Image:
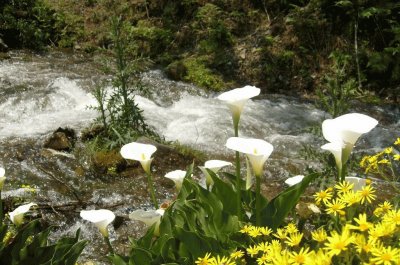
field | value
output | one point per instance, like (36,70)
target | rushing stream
(39,93)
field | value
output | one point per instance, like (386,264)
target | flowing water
(39,93)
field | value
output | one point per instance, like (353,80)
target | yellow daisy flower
(280,234)
(392,216)
(264,247)
(266,231)
(362,245)
(252,250)
(206,260)
(396,157)
(294,239)
(264,259)
(301,257)
(323,196)
(344,186)
(385,255)
(338,242)
(237,254)
(350,198)
(319,235)
(397,142)
(335,207)
(362,223)
(222,261)
(291,228)
(254,232)
(383,208)
(246,229)
(367,194)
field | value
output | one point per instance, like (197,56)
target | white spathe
(2,178)
(17,216)
(257,151)
(149,217)
(101,219)
(346,130)
(176,176)
(139,152)
(237,98)
(294,180)
(214,166)
(336,150)
(358,183)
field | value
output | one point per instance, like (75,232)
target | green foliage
(338,89)
(120,115)
(30,245)
(201,75)
(34,24)
(201,221)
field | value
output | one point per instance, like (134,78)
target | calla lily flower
(139,152)
(2,178)
(148,217)
(101,219)
(294,180)
(17,216)
(177,176)
(358,183)
(257,151)
(214,166)
(346,130)
(237,98)
(336,150)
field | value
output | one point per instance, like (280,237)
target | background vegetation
(278,45)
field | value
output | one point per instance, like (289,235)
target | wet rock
(176,70)
(108,162)
(63,139)
(3,46)
(91,132)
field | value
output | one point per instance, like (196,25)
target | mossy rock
(199,74)
(176,70)
(108,162)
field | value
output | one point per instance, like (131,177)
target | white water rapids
(39,93)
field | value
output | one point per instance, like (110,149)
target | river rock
(63,139)
(3,46)
(176,70)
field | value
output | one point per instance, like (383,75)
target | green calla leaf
(279,207)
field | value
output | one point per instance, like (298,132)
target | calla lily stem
(151,189)
(238,188)
(1,210)
(107,239)
(258,200)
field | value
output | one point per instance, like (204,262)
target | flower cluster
(346,237)
(385,163)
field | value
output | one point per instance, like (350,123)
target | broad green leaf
(279,207)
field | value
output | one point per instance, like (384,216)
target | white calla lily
(101,219)
(17,216)
(257,151)
(214,166)
(237,98)
(336,150)
(139,152)
(346,129)
(148,217)
(2,178)
(177,176)
(358,183)
(294,180)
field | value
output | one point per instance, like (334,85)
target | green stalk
(107,239)
(151,189)
(258,200)
(238,188)
(1,210)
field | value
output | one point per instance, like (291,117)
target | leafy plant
(30,245)
(338,89)
(201,221)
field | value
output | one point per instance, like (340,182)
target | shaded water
(38,94)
